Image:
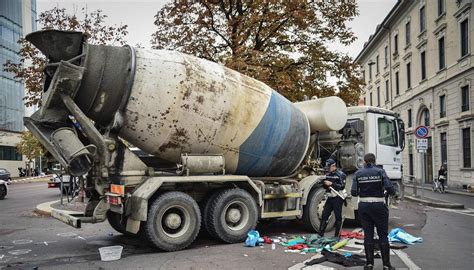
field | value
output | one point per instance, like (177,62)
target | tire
(115,221)
(312,211)
(183,216)
(231,214)
(3,192)
(205,212)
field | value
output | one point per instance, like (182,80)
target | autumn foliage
(285,44)
(32,62)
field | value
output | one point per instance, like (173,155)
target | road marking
(406,260)
(466,212)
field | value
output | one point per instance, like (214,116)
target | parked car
(5,175)
(3,189)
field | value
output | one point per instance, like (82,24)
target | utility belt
(372,199)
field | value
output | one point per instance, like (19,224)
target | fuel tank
(169,103)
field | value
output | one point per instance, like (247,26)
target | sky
(139,16)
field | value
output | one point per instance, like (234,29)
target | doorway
(428,160)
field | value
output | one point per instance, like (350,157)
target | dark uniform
(369,184)
(333,202)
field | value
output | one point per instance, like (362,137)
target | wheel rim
(175,221)
(321,208)
(235,216)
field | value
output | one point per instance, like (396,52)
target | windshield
(387,132)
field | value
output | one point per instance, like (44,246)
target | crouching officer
(337,180)
(369,184)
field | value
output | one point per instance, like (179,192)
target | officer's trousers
(333,204)
(374,214)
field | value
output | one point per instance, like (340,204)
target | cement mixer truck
(217,150)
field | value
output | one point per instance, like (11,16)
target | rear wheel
(231,214)
(313,210)
(3,192)
(173,221)
(116,222)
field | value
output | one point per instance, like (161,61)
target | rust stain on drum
(178,139)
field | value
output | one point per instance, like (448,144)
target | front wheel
(313,211)
(173,221)
(3,192)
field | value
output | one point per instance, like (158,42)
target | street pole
(40,167)
(423,173)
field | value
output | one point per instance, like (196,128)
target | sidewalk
(451,191)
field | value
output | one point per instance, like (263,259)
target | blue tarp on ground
(399,235)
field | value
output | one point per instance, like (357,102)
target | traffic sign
(421,145)
(421,132)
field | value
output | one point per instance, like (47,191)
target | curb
(447,191)
(434,203)
(34,179)
(45,208)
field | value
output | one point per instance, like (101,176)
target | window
(440,7)
(386,55)
(397,83)
(378,96)
(363,75)
(464,38)
(370,71)
(9,153)
(466,147)
(371,99)
(441,55)
(409,118)
(387,90)
(407,34)
(444,147)
(442,106)
(377,63)
(387,132)
(465,98)
(408,75)
(425,117)
(365,103)
(422,19)
(423,65)
(395,44)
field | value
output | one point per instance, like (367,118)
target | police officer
(369,184)
(337,180)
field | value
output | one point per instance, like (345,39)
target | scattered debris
(399,235)
(111,253)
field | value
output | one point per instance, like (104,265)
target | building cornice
(385,25)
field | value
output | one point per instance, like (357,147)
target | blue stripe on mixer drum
(265,147)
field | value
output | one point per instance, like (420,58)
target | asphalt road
(28,241)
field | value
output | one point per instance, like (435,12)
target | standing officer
(369,184)
(337,180)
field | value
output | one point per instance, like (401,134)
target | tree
(32,62)
(285,44)
(30,147)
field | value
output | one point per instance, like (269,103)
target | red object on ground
(267,240)
(298,247)
(348,234)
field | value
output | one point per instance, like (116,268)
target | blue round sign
(421,132)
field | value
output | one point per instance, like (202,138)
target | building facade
(17,18)
(419,63)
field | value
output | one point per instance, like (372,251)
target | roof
(382,27)
(370,109)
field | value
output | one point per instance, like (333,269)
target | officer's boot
(369,256)
(385,251)
(322,228)
(337,226)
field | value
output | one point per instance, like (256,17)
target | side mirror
(401,135)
